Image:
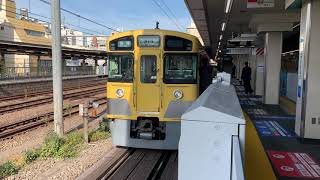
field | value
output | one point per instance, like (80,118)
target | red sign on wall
(292,164)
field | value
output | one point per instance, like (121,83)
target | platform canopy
(239,16)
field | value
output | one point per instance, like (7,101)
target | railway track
(68,87)
(12,129)
(45,100)
(135,164)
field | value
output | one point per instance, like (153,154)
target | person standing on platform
(234,68)
(246,78)
(205,75)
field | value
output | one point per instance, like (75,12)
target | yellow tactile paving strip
(257,165)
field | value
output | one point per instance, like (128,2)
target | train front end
(153,80)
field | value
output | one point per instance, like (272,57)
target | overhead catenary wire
(175,23)
(82,17)
(70,24)
(46,21)
(171,12)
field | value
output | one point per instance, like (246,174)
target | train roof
(153,32)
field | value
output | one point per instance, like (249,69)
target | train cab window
(121,68)
(148,69)
(173,43)
(180,69)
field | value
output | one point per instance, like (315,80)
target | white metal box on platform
(212,136)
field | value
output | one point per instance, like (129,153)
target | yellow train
(153,79)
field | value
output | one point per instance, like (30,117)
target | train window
(173,43)
(120,68)
(148,69)
(180,69)
(124,44)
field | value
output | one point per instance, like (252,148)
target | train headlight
(178,94)
(120,93)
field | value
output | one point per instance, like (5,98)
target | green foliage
(104,125)
(74,138)
(57,147)
(98,135)
(8,169)
(51,146)
(71,146)
(103,132)
(31,155)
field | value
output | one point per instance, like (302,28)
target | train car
(153,79)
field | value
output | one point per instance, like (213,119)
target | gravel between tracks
(10,148)
(32,112)
(67,169)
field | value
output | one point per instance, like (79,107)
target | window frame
(34,33)
(183,49)
(175,81)
(122,80)
(156,80)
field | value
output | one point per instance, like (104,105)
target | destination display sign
(122,44)
(149,41)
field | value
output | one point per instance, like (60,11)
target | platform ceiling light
(221,36)
(219,43)
(228,6)
(223,26)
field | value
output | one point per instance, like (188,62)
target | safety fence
(42,72)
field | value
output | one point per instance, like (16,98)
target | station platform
(35,80)
(273,150)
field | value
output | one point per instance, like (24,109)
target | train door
(148,84)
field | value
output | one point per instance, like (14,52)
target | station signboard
(260,3)
(238,51)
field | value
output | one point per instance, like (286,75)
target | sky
(118,14)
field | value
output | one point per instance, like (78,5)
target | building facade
(18,27)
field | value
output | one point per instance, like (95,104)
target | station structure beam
(273,66)
(272,26)
(57,67)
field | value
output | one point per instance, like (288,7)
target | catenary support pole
(57,67)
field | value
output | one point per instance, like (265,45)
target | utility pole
(57,67)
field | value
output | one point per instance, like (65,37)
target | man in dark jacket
(205,75)
(246,78)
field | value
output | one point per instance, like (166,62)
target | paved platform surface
(290,157)
(31,80)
